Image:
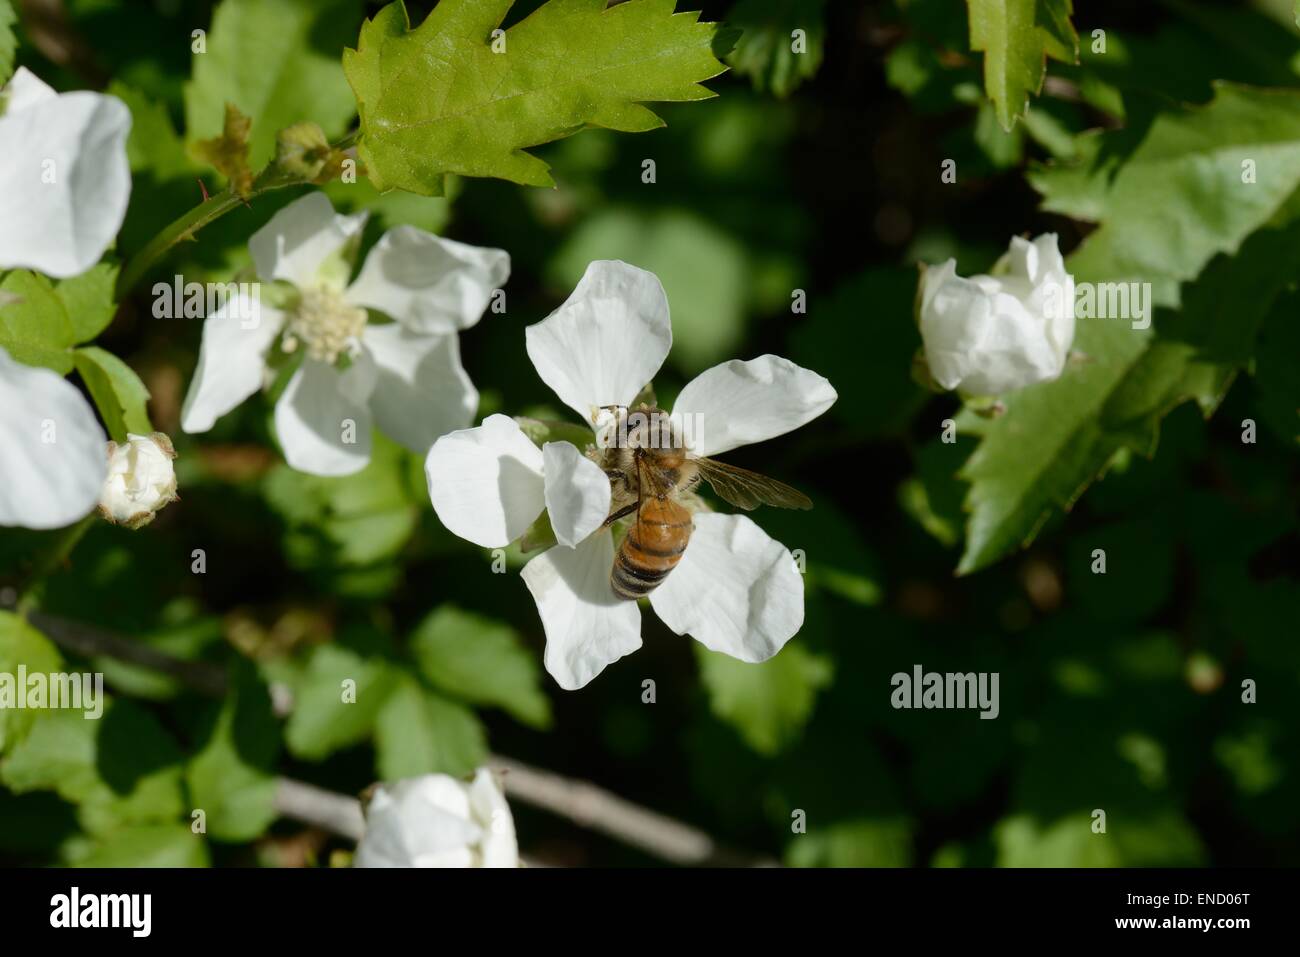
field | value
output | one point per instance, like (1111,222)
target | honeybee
(648,470)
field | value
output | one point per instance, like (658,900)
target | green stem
(52,560)
(178,231)
(211,209)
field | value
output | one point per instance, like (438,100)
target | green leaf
(120,769)
(1056,438)
(88,299)
(21,644)
(420,732)
(884,842)
(766,50)
(1016,37)
(1143,839)
(154,845)
(349,521)
(34,325)
(231,778)
(118,392)
(322,721)
(440,99)
(8,41)
(481,661)
(767,703)
(40,320)
(1185,193)
(277,61)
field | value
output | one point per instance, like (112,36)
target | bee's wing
(748,490)
(652,483)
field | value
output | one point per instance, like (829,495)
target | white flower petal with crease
(607,341)
(738,403)
(735,590)
(577,492)
(323,407)
(422,391)
(586,627)
(64,176)
(429,284)
(486,483)
(299,240)
(55,456)
(232,361)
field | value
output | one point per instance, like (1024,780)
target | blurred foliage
(784,216)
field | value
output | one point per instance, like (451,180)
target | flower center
(326,324)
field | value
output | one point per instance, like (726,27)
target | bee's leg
(615,516)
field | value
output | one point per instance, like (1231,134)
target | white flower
(52,462)
(438,821)
(64,176)
(404,376)
(735,590)
(141,479)
(992,334)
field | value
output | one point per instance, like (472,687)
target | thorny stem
(183,229)
(178,231)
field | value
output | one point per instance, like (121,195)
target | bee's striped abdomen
(652,548)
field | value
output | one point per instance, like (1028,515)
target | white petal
(323,419)
(735,590)
(427,283)
(586,627)
(737,403)
(419,822)
(26,90)
(422,391)
(607,341)
(577,492)
(55,455)
(232,358)
(64,177)
(488,807)
(955,314)
(486,483)
(300,238)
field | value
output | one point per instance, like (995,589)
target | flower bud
(141,479)
(988,335)
(438,821)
